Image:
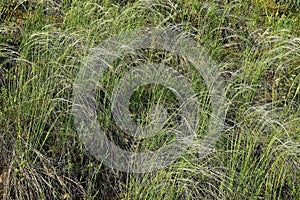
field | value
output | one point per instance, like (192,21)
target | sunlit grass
(258,156)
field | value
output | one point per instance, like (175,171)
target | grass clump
(45,43)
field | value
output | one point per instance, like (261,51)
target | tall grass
(258,156)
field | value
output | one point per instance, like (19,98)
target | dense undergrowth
(256,45)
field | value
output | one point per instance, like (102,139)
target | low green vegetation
(256,45)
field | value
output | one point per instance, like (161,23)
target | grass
(256,45)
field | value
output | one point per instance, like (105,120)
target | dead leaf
(66,196)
